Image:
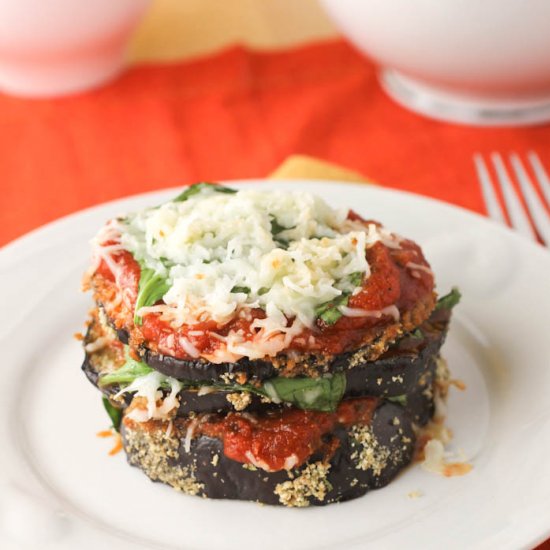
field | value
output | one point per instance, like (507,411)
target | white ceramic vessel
(57,47)
(474,61)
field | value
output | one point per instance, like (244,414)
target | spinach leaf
(126,374)
(152,287)
(449,300)
(114,414)
(198,187)
(328,312)
(318,394)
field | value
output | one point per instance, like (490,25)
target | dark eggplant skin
(397,358)
(411,377)
(407,368)
(200,370)
(207,472)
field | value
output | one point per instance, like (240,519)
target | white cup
(483,62)
(58,47)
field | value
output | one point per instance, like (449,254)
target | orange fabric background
(237,114)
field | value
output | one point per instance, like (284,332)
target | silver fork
(536,217)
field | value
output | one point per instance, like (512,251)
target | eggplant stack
(261,345)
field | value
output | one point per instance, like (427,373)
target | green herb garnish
(318,394)
(417,333)
(449,300)
(166,262)
(152,287)
(277,228)
(329,312)
(198,187)
(399,399)
(114,414)
(126,374)
(241,289)
(356,278)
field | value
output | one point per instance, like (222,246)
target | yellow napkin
(178,29)
(302,166)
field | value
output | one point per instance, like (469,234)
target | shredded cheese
(148,386)
(189,434)
(224,254)
(356,312)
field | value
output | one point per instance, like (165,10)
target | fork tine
(518,218)
(489,196)
(540,218)
(542,175)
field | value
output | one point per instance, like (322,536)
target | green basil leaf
(166,262)
(242,289)
(449,300)
(152,287)
(277,228)
(417,333)
(399,399)
(318,394)
(126,374)
(198,187)
(281,243)
(114,414)
(356,278)
(328,312)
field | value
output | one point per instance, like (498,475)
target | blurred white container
(483,62)
(57,47)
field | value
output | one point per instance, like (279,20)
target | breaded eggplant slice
(374,342)
(418,402)
(396,357)
(367,457)
(406,369)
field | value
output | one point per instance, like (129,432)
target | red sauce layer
(286,437)
(391,283)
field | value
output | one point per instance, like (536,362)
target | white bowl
(474,61)
(56,47)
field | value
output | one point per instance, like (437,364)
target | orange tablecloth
(236,114)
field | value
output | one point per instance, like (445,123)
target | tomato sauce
(285,438)
(390,283)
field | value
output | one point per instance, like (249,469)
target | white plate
(60,489)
